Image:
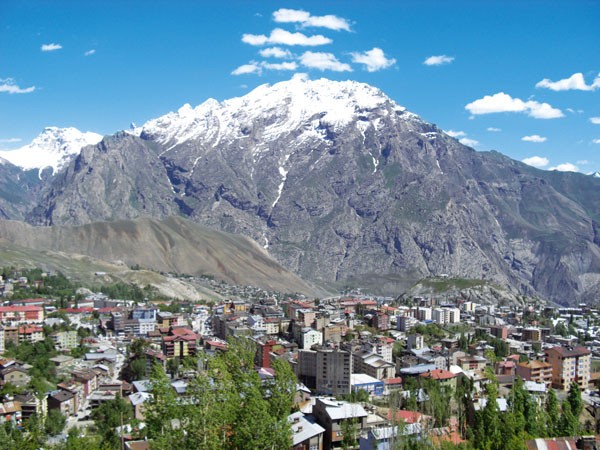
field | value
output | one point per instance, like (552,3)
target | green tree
(55,422)
(349,429)
(568,423)
(227,406)
(552,415)
(110,415)
(574,399)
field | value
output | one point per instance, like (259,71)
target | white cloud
(50,47)
(537,161)
(455,134)
(438,60)
(565,167)
(583,162)
(373,59)
(245,69)
(494,129)
(305,19)
(575,82)
(596,141)
(595,120)
(90,52)
(275,52)
(502,102)
(534,138)
(469,142)
(283,37)
(8,85)
(280,66)
(256,68)
(323,61)
(10,140)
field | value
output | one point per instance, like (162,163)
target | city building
(538,371)
(569,364)
(331,413)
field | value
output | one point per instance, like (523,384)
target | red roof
(185,337)
(439,374)
(182,332)
(392,381)
(27,308)
(26,330)
(78,310)
(408,416)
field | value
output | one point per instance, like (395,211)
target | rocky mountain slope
(174,245)
(52,149)
(341,184)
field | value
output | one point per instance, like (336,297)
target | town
(368,372)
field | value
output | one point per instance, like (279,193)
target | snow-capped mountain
(272,111)
(341,184)
(54,147)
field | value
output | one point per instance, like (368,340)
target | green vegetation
(226,407)
(110,415)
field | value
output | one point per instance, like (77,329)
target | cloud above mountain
(501,102)
(575,82)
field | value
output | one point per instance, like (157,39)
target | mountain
(19,190)
(344,186)
(53,148)
(174,245)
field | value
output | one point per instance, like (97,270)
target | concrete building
(406,323)
(65,340)
(569,364)
(538,371)
(362,381)
(331,413)
(325,369)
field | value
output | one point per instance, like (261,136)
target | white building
(311,337)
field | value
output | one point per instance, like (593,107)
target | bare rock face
(338,182)
(122,177)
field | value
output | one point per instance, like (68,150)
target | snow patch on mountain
(274,110)
(54,147)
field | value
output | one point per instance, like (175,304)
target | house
(88,378)
(74,388)
(62,362)
(443,377)
(31,404)
(10,412)
(15,375)
(139,401)
(383,438)
(331,413)
(64,401)
(307,434)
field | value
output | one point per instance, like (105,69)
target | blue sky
(520,77)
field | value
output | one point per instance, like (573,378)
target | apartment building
(569,364)
(538,371)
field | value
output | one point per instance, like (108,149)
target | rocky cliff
(340,183)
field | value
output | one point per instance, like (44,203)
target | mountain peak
(53,147)
(284,106)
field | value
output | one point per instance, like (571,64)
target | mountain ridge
(344,192)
